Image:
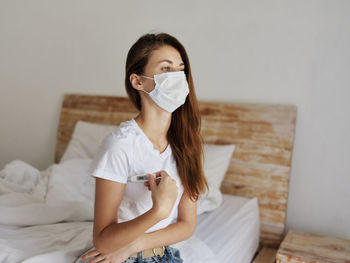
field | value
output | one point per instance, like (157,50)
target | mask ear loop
(146,78)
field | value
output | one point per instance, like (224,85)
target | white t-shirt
(125,152)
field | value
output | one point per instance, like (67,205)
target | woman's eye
(165,68)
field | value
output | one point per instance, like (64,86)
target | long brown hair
(184,131)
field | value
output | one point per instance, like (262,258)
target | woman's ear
(135,81)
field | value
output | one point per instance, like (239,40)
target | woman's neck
(155,124)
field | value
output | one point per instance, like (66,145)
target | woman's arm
(108,234)
(179,231)
(108,196)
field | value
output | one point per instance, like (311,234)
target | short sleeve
(112,160)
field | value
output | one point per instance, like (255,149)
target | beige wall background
(287,52)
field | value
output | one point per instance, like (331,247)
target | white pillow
(71,190)
(215,164)
(87,137)
(70,181)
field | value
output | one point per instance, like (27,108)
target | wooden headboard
(262,133)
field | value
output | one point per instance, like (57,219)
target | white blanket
(46,216)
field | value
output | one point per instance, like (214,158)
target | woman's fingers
(146,184)
(89,254)
(157,182)
(151,181)
(97,259)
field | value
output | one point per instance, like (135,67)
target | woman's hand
(157,177)
(164,193)
(117,256)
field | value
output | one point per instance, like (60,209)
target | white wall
(288,52)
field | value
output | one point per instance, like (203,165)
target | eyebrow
(170,62)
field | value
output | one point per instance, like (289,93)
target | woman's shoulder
(122,135)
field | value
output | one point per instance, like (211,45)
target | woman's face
(164,59)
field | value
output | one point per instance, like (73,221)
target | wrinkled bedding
(46,216)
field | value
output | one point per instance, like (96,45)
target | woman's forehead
(165,54)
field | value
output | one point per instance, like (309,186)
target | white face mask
(170,91)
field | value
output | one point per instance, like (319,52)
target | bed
(250,217)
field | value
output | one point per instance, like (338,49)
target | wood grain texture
(303,247)
(260,166)
(266,255)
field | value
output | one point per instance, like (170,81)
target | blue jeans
(171,255)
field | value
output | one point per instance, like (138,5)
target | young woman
(133,221)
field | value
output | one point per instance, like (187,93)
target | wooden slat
(262,133)
(260,167)
(266,255)
(301,247)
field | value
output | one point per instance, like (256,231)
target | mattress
(231,232)
(228,234)
(35,229)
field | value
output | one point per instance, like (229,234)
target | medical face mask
(170,91)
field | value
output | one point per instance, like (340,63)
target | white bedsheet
(232,230)
(46,216)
